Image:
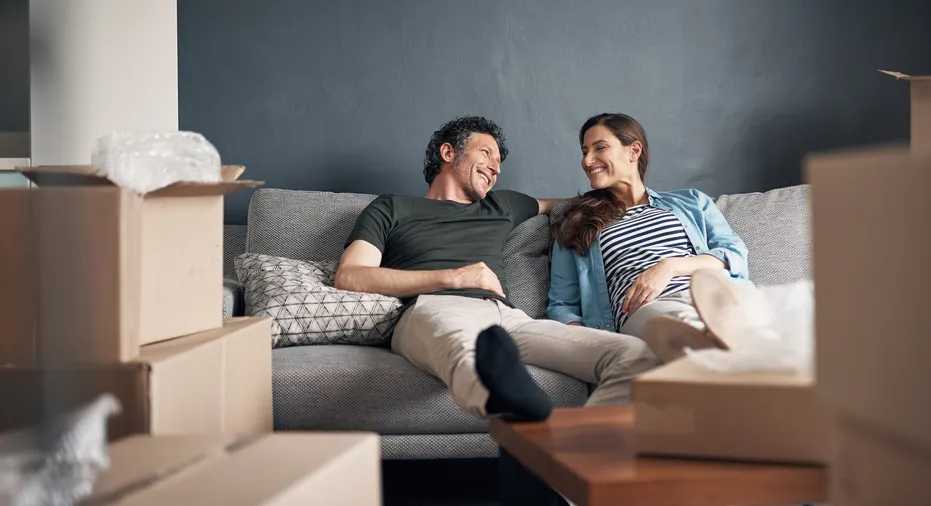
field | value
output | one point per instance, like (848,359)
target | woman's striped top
(634,243)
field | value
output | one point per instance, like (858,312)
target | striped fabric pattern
(639,240)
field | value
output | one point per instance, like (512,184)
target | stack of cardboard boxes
(106,290)
(866,410)
(872,215)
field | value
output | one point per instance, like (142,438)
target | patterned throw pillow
(307,309)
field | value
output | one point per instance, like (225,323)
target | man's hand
(648,285)
(476,275)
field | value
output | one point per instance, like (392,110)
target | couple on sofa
(623,256)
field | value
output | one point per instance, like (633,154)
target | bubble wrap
(56,463)
(145,162)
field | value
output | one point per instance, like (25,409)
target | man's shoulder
(499,194)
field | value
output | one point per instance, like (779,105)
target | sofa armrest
(233,304)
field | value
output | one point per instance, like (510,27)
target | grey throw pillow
(307,309)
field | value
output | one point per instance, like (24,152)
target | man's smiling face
(477,165)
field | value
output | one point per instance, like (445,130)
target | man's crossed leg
(440,333)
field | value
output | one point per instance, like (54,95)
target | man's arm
(359,271)
(546,205)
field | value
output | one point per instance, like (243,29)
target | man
(443,252)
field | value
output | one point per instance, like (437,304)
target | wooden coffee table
(586,454)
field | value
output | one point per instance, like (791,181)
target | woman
(624,253)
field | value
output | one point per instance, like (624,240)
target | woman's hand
(648,285)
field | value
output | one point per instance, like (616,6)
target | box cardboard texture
(869,468)
(17,286)
(920,88)
(217,381)
(338,469)
(871,215)
(685,410)
(113,269)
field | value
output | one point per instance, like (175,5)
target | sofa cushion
(234,244)
(364,388)
(775,225)
(305,307)
(527,264)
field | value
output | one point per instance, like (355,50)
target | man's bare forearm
(393,282)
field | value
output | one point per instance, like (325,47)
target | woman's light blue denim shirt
(578,288)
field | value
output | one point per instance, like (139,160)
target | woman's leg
(677,305)
(669,325)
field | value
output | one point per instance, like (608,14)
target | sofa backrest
(311,225)
(776,227)
(304,225)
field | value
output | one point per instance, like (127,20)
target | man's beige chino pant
(438,333)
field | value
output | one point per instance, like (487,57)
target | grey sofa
(338,387)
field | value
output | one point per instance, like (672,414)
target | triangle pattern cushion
(305,307)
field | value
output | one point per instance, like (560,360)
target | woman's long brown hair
(587,214)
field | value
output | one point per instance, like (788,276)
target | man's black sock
(511,390)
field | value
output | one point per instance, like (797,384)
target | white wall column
(98,66)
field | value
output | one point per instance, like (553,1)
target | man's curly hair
(457,132)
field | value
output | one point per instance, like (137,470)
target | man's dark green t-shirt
(417,233)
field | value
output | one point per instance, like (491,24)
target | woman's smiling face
(606,160)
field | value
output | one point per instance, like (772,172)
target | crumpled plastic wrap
(780,334)
(56,463)
(146,161)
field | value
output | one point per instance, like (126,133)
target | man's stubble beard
(470,189)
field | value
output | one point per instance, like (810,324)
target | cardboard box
(685,410)
(210,382)
(921,108)
(18,286)
(336,469)
(871,217)
(871,468)
(111,269)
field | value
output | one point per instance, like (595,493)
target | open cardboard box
(217,381)
(338,469)
(920,108)
(99,270)
(683,409)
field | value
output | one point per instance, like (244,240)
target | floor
(466,482)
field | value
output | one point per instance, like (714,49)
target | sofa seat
(368,388)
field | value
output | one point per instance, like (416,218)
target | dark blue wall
(342,96)
(14,68)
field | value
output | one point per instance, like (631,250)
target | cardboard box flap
(144,460)
(86,175)
(685,371)
(231,172)
(307,469)
(198,189)
(906,77)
